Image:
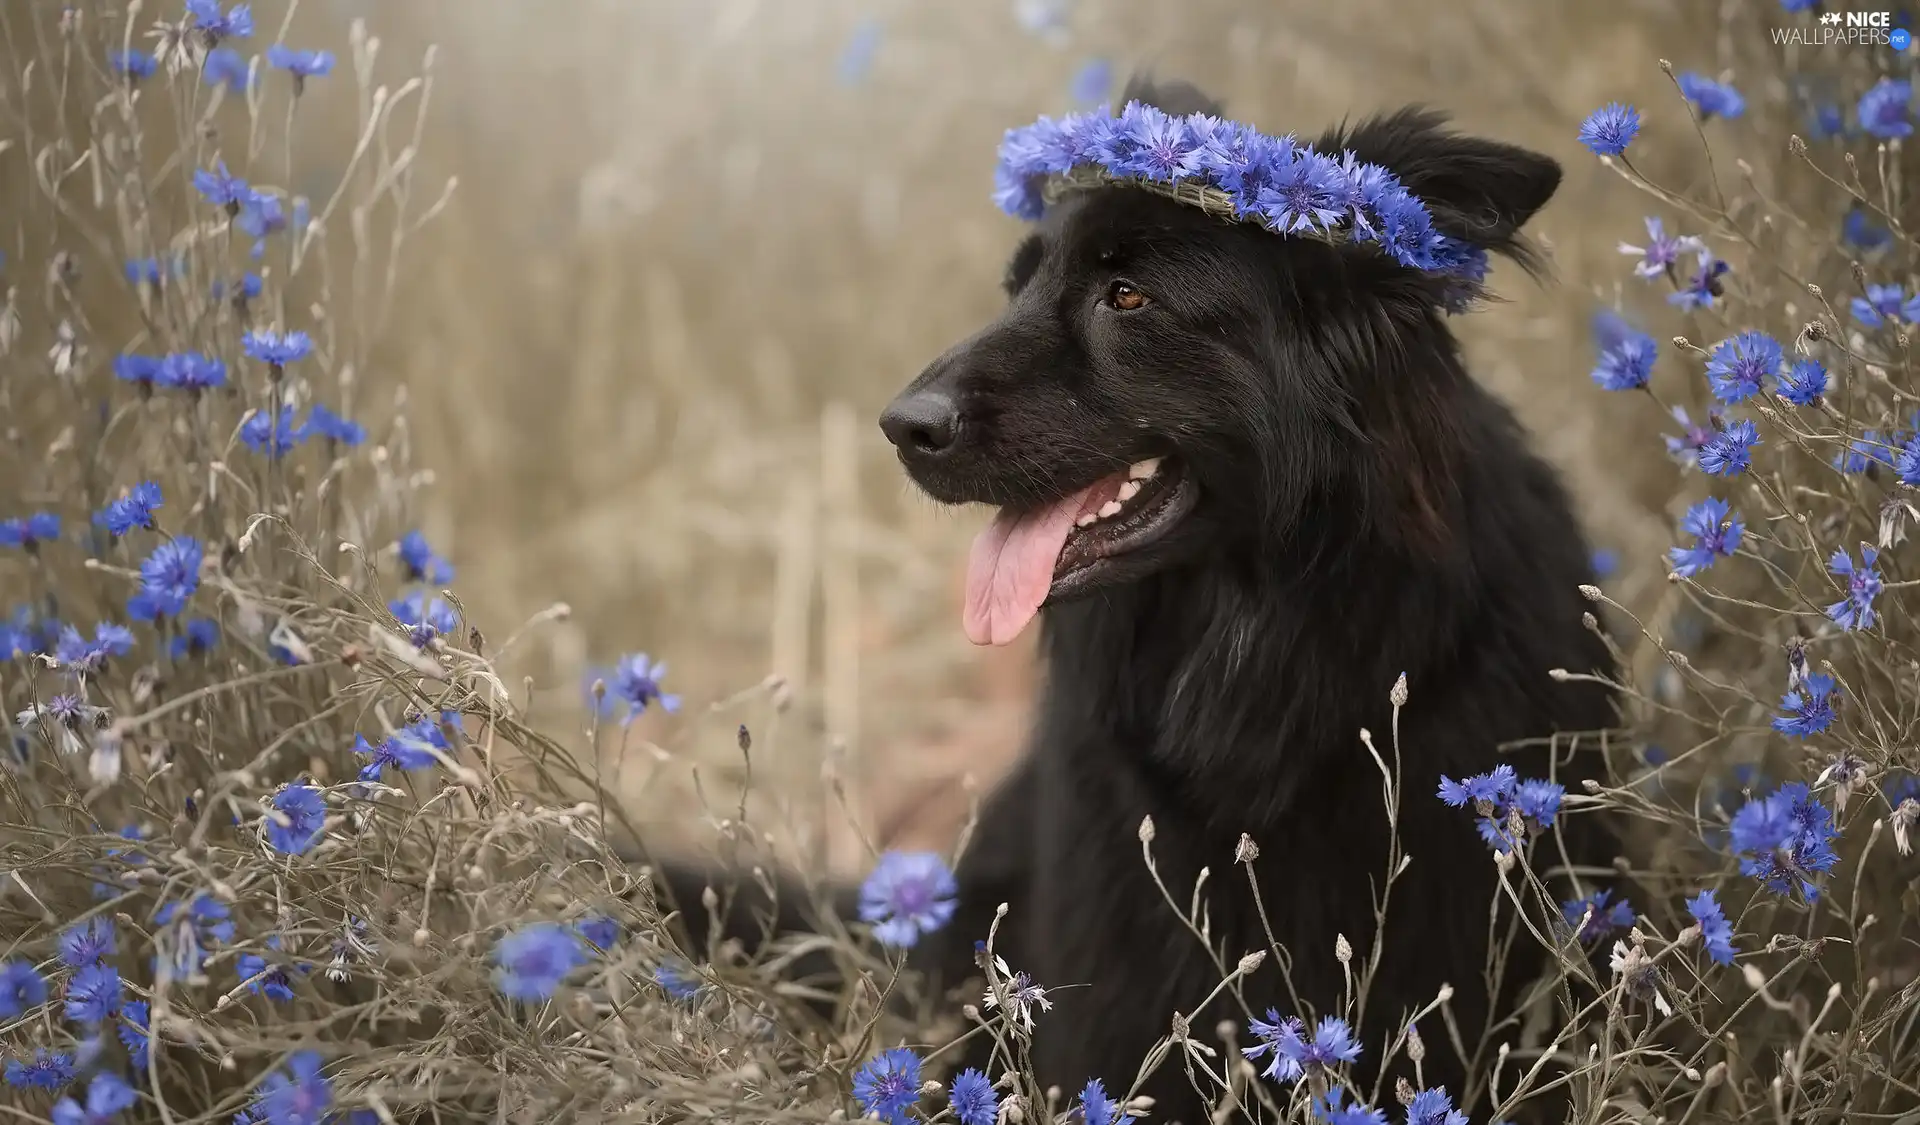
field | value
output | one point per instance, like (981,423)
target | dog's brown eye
(1125,297)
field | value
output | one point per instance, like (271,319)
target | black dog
(1254,484)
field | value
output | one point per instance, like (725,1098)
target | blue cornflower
(134,509)
(135,1017)
(107,1095)
(888,1085)
(191,371)
(1484,791)
(409,748)
(1283,1039)
(1092,82)
(600,931)
(1716,933)
(1434,1107)
(1334,1109)
(1730,453)
(534,960)
(324,423)
(425,617)
(220,187)
(1859,229)
(1804,383)
(1797,5)
(1883,303)
(249,288)
(93,995)
(1739,366)
(1306,193)
(1662,251)
(1096,1108)
(305,809)
(856,59)
(1711,98)
(264,977)
(1717,532)
(203,922)
(28,532)
(1539,801)
(132,65)
(168,578)
(140,370)
(86,942)
(1627,355)
(1863,585)
(1703,287)
(677,979)
(422,565)
(636,682)
(1605,562)
(237,23)
(1606,915)
(1332,1043)
(1826,121)
(906,895)
(1784,839)
(1883,109)
(225,66)
(1608,131)
(302,64)
(1162,146)
(1499,793)
(299,1095)
(1862,453)
(264,435)
(972,1099)
(83,656)
(261,214)
(195,638)
(145,271)
(21,989)
(277,349)
(1907,464)
(49,1070)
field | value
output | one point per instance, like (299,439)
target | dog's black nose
(922,423)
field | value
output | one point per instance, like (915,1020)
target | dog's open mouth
(1026,558)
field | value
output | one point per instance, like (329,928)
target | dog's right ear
(1173,97)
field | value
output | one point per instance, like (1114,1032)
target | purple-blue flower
(1803,383)
(168,578)
(1784,839)
(1597,915)
(28,532)
(195,637)
(49,1070)
(1434,1107)
(133,509)
(93,995)
(107,1096)
(534,960)
(214,26)
(1711,98)
(261,214)
(1738,367)
(267,978)
(1703,286)
(906,895)
(302,64)
(1627,355)
(298,1095)
(1717,532)
(1730,452)
(277,349)
(140,370)
(1883,303)
(82,656)
(1855,611)
(190,930)
(132,1029)
(304,809)
(598,930)
(1716,933)
(1883,109)
(191,371)
(324,423)
(1809,708)
(420,561)
(424,617)
(888,1085)
(86,942)
(1858,229)
(1096,1108)
(636,682)
(1091,83)
(132,65)
(1662,251)
(225,67)
(677,979)
(971,1097)
(263,434)
(1608,131)
(221,187)
(22,989)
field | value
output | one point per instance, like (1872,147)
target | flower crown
(1232,171)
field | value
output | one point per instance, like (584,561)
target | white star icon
(1830,17)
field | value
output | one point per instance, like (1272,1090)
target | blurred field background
(697,244)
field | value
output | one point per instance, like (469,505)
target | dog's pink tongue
(1011,567)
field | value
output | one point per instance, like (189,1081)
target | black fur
(1364,509)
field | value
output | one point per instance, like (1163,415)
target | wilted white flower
(1023,996)
(1639,976)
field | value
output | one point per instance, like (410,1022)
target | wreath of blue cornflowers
(1235,172)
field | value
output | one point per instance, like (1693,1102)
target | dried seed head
(1247,851)
(1146,830)
(1398,695)
(1342,949)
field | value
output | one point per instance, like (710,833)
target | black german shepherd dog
(1252,483)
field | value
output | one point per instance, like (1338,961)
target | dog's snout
(922,423)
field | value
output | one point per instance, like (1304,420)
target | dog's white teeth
(1110,508)
(1141,470)
(1129,490)
(1087,520)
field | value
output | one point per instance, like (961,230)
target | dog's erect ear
(1478,190)
(1172,97)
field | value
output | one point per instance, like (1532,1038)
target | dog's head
(1164,385)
